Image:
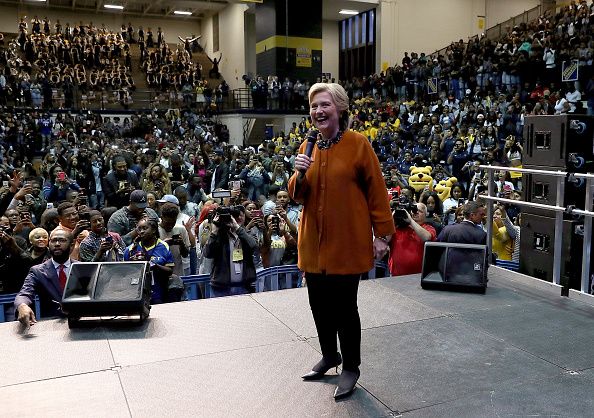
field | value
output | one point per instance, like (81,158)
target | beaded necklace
(327,143)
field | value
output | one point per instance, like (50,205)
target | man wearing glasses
(46,280)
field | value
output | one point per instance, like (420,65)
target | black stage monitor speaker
(107,289)
(563,142)
(537,247)
(539,188)
(449,266)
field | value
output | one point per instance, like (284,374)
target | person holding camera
(256,178)
(148,247)
(254,225)
(174,235)
(342,190)
(277,239)
(59,185)
(119,183)
(408,243)
(231,248)
(157,181)
(101,245)
(453,202)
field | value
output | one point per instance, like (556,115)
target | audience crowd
(159,180)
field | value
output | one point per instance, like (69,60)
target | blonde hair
(339,97)
(35,231)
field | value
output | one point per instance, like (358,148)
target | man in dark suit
(470,230)
(46,280)
(220,171)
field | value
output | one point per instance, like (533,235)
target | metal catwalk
(519,350)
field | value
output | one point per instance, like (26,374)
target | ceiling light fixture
(113,6)
(182,12)
(348,12)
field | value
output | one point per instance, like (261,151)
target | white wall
(9,17)
(231,42)
(429,25)
(330,47)
(235,125)
(424,25)
(500,10)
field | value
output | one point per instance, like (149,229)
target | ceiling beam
(151,4)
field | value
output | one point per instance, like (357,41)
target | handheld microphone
(312,137)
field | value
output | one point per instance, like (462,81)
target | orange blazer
(345,203)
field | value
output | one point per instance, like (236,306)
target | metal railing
(153,99)
(559,210)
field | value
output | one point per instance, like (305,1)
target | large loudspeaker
(537,247)
(539,188)
(563,142)
(107,289)
(449,266)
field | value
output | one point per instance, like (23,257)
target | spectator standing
(124,220)
(101,245)
(175,236)
(408,243)
(71,223)
(231,248)
(148,247)
(39,240)
(119,183)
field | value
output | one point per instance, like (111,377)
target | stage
(518,350)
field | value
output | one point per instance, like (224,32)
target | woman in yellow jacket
(502,243)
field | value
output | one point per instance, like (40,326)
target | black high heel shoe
(319,370)
(346,384)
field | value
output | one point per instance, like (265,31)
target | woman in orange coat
(345,205)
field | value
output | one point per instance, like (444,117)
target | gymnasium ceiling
(166,8)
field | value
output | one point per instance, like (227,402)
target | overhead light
(348,12)
(182,12)
(39,1)
(113,6)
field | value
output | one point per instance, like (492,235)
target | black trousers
(333,302)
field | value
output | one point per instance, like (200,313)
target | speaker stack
(554,143)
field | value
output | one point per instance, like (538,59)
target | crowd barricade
(197,286)
(6,307)
(508,265)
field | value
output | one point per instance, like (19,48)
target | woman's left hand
(380,248)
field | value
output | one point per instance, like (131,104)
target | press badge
(237,255)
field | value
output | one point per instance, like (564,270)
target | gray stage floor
(517,351)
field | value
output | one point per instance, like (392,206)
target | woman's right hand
(302,162)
